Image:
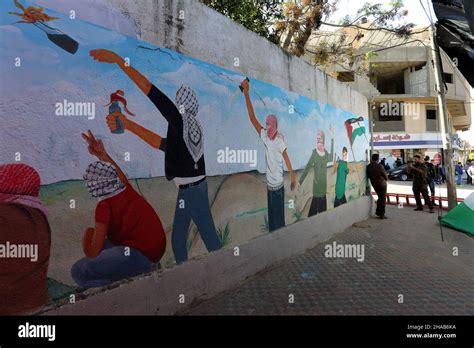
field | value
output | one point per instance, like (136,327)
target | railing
(404,199)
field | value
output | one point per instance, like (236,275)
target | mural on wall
(36,16)
(197,178)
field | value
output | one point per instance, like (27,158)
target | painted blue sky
(49,75)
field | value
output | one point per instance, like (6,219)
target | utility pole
(371,126)
(446,126)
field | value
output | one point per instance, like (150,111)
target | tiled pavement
(403,255)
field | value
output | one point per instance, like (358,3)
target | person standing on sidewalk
(431,173)
(470,172)
(458,170)
(378,178)
(420,183)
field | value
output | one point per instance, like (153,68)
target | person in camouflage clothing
(420,183)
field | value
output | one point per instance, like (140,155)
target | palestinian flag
(354,128)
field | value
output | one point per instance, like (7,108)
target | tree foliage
(256,15)
(292,23)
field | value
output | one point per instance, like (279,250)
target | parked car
(399,173)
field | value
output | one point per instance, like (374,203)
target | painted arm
(107,56)
(335,165)
(331,153)
(245,89)
(307,168)
(151,138)
(290,169)
(162,102)
(96,148)
(94,239)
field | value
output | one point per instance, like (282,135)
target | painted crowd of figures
(128,237)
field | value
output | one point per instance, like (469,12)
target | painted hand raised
(96,147)
(112,123)
(106,56)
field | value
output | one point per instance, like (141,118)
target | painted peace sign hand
(96,147)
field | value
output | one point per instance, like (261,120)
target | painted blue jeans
(112,264)
(193,203)
(276,208)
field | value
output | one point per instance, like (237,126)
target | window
(430,114)
(391,84)
(386,111)
(448,78)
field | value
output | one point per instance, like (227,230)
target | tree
(292,23)
(256,15)
(303,18)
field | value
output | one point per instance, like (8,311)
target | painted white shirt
(274,158)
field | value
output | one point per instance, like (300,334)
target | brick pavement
(403,255)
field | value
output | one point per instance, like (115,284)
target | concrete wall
(208,35)
(194,30)
(200,279)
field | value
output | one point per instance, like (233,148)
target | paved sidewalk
(404,255)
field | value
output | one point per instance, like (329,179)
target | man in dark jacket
(431,174)
(420,183)
(378,178)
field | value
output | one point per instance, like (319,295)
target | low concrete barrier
(169,291)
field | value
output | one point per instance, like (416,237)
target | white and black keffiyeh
(188,105)
(101,179)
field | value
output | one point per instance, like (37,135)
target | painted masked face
(101,179)
(271,125)
(320,141)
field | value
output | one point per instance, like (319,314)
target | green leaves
(255,15)
(224,234)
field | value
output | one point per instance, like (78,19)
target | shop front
(399,148)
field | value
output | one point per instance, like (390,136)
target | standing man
(184,155)
(420,183)
(431,174)
(378,178)
(275,153)
(459,171)
(318,161)
(470,172)
(342,170)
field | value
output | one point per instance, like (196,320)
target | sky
(415,15)
(53,144)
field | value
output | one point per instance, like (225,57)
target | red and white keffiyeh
(20,183)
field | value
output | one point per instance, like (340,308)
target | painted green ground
(238,205)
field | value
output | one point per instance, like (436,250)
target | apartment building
(400,88)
